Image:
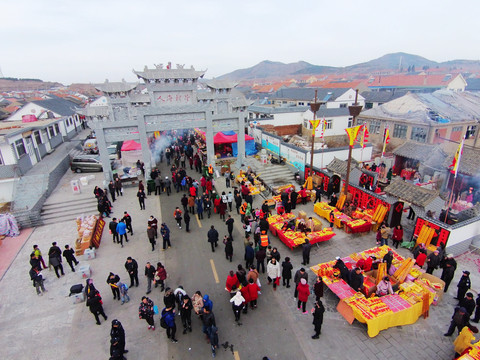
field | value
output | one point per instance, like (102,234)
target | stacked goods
(395,302)
(379,213)
(433,285)
(425,236)
(322,235)
(370,308)
(382,270)
(280,218)
(324,269)
(404,269)
(415,273)
(85,229)
(472,354)
(341,201)
(413,291)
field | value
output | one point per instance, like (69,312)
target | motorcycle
(279,161)
(297,177)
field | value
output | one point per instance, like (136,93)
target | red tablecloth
(358,229)
(316,238)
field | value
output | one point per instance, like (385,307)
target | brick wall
(283,130)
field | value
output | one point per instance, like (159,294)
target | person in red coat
(232,283)
(397,236)
(303,294)
(193,191)
(303,195)
(209,186)
(246,296)
(420,260)
(252,289)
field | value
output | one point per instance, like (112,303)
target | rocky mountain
(394,62)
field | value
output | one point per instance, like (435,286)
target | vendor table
(357,229)
(407,316)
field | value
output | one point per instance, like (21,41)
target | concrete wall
(8,155)
(462,236)
(339,153)
(24,164)
(6,190)
(56,140)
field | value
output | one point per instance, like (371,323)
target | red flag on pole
(456,158)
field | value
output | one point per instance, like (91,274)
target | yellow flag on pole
(352,133)
(314,124)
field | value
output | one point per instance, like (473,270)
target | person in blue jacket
(165,231)
(168,314)
(122,231)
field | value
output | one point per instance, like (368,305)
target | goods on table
(85,229)
(379,213)
(382,270)
(412,300)
(404,269)
(425,236)
(341,201)
(472,354)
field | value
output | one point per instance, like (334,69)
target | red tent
(221,138)
(131,145)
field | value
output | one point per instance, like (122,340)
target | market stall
(256,187)
(293,238)
(414,291)
(89,233)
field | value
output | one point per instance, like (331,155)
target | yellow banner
(314,124)
(352,133)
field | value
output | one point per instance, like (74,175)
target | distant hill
(14,84)
(392,62)
(270,69)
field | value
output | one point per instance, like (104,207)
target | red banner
(97,235)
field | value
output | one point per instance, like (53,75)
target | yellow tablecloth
(403,317)
(323,210)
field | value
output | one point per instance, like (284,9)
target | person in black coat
(69,255)
(169,298)
(468,303)
(388,258)
(356,279)
(186,218)
(55,259)
(287,268)
(141,199)
(459,321)
(340,265)
(94,303)
(477,310)
(112,226)
(318,318)
(228,247)
(318,194)
(112,280)
(249,255)
(186,313)
(229,222)
(463,285)
(449,266)
(333,200)
(212,236)
(293,199)
(306,247)
(132,268)
(318,288)
(118,332)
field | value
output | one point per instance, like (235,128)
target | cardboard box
(85,271)
(78,298)
(89,254)
(303,215)
(434,279)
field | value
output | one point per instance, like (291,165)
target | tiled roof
(415,107)
(340,166)
(58,105)
(382,96)
(276,110)
(411,81)
(220,84)
(116,87)
(415,151)
(473,84)
(469,162)
(308,94)
(160,73)
(411,193)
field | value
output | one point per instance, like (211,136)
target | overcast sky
(90,41)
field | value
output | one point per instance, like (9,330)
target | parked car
(87,163)
(90,146)
(112,152)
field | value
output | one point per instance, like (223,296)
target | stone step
(70,213)
(45,213)
(77,201)
(60,219)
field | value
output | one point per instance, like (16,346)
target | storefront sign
(97,235)
(270,143)
(294,157)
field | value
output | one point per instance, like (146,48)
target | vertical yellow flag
(352,133)
(314,124)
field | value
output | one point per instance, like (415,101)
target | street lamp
(354,112)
